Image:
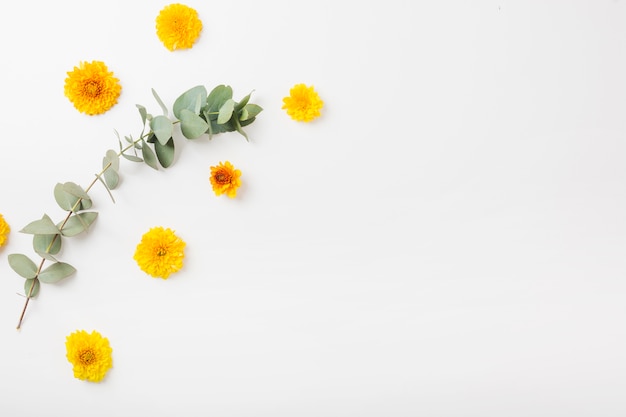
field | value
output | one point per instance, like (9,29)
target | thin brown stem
(69,214)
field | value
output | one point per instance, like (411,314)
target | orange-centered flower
(178,26)
(160,252)
(225,179)
(92,88)
(303,103)
(90,355)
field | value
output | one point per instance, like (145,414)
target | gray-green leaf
(162,128)
(31,287)
(56,272)
(44,226)
(189,99)
(226,111)
(78,223)
(191,125)
(148,156)
(22,265)
(165,153)
(47,244)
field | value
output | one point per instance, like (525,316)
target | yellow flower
(90,354)
(178,26)
(92,88)
(303,103)
(225,179)
(4,231)
(160,252)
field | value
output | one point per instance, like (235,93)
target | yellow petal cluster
(225,179)
(4,231)
(178,26)
(90,354)
(92,88)
(160,252)
(303,103)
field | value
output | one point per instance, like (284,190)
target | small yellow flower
(303,103)
(225,179)
(178,26)
(4,231)
(90,354)
(92,88)
(160,252)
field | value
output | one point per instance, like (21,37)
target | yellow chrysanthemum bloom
(225,179)
(92,88)
(4,231)
(160,252)
(90,354)
(178,26)
(303,103)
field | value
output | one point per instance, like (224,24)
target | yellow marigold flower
(178,26)
(4,231)
(303,103)
(92,88)
(160,252)
(225,179)
(90,354)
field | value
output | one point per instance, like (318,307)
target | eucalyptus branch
(198,113)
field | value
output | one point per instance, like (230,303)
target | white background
(446,240)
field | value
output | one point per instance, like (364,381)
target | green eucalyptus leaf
(23,265)
(56,272)
(69,200)
(148,156)
(49,244)
(226,111)
(218,96)
(158,99)
(44,226)
(162,128)
(251,110)
(132,158)
(111,166)
(142,112)
(78,223)
(31,287)
(238,128)
(75,190)
(189,99)
(191,125)
(242,103)
(165,153)
(111,178)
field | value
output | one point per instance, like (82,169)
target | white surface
(446,240)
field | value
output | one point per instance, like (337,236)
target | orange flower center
(92,88)
(87,356)
(222,177)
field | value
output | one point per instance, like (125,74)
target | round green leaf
(189,100)
(34,284)
(47,244)
(191,125)
(162,128)
(44,226)
(22,265)
(78,223)
(56,272)
(165,153)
